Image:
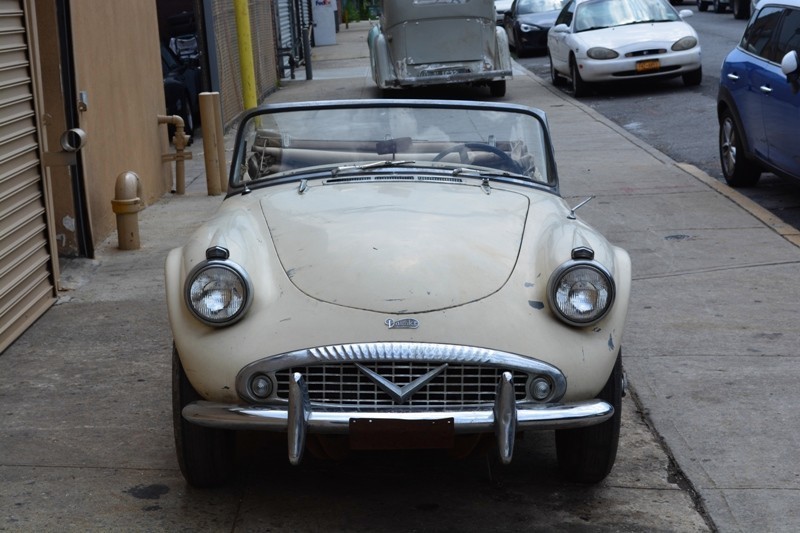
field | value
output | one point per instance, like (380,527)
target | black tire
(579,87)
(497,88)
(586,455)
(719,7)
(738,170)
(702,6)
(693,78)
(741,9)
(205,455)
(557,79)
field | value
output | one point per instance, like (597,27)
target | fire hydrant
(126,205)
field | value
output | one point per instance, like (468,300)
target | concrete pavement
(710,350)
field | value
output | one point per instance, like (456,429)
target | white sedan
(611,40)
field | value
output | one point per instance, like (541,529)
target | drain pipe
(181,141)
(126,205)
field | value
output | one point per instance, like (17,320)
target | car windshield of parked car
(290,142)
(598,14)
(525,7)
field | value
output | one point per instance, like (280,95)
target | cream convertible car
(396,274)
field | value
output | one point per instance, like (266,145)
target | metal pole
(208,120)
(247,67)
(223,165)
(307,51)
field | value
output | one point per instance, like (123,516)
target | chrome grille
(344,384)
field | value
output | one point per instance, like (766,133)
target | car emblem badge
(401,394)
(406,323)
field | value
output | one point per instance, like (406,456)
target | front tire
(557,79)
(579,87)
(719,7)
(702,6)
(586,455)
(736,168)
(741,9)
(205,455)
(693,78)
(497,88)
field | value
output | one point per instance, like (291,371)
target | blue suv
(758,104)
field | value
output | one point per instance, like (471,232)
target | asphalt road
(681,121)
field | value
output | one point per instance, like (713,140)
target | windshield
(597,14)
(281,141)
(538,6)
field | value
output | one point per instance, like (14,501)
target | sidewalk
(710,351)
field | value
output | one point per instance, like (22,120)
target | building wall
(118,65)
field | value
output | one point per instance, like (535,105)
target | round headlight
(218,292)
(686,43)
(581,292)
(598,52)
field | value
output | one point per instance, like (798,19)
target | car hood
(544,20)
(397,247)
(637,36)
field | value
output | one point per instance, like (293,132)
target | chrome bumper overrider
(297,418)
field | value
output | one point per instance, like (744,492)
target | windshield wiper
(648,21)
(374,164)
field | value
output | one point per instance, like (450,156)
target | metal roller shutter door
(26,281)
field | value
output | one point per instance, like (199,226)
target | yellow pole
(248,72)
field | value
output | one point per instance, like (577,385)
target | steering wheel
(463,148)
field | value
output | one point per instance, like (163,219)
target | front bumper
(485,76)
(298,418)
(671,64)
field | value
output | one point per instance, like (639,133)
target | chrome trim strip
(401,351)
(401,394)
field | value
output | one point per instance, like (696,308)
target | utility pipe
(181,141)
(126,205)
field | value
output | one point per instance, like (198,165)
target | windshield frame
(237,185)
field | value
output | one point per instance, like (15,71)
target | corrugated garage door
(26,280)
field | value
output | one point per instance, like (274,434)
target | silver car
(435,42)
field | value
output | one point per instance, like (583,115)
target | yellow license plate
(648,66)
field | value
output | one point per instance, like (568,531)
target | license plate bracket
(394,434)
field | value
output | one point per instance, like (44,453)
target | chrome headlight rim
(568,267)
(238,272)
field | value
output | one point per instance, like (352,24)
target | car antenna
(571,215)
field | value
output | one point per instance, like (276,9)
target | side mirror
(789,64)
(789,67)
(560,28)
(685,13)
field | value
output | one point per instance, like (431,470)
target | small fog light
(261,386)
(540,389)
